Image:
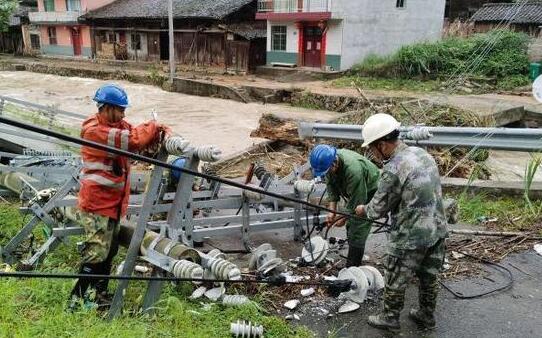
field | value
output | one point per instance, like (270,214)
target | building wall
(86,5)
(334,42)
(292,44)
(64,46)
(378,27)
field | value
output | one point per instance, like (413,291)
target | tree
(6,8)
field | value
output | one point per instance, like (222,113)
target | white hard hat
(378,126)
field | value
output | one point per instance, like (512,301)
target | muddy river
(202,120)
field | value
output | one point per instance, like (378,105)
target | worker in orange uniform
(105,187)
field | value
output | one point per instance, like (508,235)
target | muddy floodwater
(202,120)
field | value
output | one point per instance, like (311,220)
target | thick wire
(496,266)
(194,173)
(39,275)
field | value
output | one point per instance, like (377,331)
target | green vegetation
(388,83)
(6,8)
(503,212)
(37,307)
(497,59)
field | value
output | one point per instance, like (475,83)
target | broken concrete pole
(275,128)
(177,251)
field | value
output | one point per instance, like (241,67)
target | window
(73,5)
(400,4)
(136,42)
(111,37)
(35,41)
(51,32)
(49,5)
(278,38)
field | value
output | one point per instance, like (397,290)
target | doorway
(76,41)
(164,45)
(312,47)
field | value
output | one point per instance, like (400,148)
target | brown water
(202,120)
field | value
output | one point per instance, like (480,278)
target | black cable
(39,275)
(187,171)
(496,266)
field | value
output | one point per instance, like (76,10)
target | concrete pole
(171,43)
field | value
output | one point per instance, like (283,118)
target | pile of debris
(452,162)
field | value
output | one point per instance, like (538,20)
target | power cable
(271,281)
(496,266)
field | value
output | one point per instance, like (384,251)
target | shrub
(497,54)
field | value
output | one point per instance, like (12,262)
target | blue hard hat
(179,162)
(322,158)
(111,94)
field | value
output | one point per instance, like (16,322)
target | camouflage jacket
(410,190)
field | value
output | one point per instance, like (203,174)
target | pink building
(60,31)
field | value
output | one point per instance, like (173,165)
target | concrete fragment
(292,304)
(307,292)
(198,293)
(375,278)
(215,293)
(349,307)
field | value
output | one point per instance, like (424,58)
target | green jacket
(356,181)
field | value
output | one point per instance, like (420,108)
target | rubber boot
(385,321)
(427,295)
(79,291)
(423,318)
(355,256)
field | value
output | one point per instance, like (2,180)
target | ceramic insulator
(176,145)
(234,300)
(186,269)
(222,269)
(304,186)
(418,134)
(208,153)
(246,329)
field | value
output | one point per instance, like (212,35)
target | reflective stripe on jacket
(105,184)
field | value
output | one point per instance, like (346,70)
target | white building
(337,34)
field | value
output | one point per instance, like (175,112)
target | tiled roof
(249,31)
(207,9)
(527,13)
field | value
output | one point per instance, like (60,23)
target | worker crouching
(354,178)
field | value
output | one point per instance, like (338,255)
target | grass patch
(36,307)
(493,60)
(508,213)
(387,83)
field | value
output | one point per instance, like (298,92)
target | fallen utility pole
(162,164)
(512,139)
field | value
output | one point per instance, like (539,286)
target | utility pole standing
(171,43)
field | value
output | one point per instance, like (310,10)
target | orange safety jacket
(105,178)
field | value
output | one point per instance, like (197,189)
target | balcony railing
(294,6)
(54,17)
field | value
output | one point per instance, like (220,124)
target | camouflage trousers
(101,237)
(426,264)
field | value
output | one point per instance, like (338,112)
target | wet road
(514,313)
(202,120)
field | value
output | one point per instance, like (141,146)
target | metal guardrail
(42,108)
(512,139)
